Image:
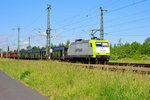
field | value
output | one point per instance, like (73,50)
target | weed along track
(141,68)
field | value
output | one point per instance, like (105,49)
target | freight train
(91,51)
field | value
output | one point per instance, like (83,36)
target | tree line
(134,50)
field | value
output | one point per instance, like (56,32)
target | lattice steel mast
(18,42)
(102,25)
(48,46)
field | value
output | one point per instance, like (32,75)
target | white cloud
(53,35)
(42,34)
(25,43)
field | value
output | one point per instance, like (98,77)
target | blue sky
(73,19)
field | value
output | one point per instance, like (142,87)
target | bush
(134,50)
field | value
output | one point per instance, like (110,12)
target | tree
(67,43)
(136,47)
(43,47)
(34,48)
(126,50)
(10,51)
(52,45)
(119,42)
(146,47)
(22,50)
(15,50)
(28,47)
(61,44)
(147,41)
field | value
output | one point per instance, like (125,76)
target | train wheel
(104,62)
(89,60)
(96,61)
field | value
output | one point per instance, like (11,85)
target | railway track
(136,67)
(130,64)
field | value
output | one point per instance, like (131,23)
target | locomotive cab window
(102,44)
(98,44)
(105,44)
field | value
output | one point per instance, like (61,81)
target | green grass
(64,81)
(128,60)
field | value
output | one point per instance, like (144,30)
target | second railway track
(136,67)
(130,64)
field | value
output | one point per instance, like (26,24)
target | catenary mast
(102,25)
(48,46)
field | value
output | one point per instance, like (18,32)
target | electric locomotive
(95,51)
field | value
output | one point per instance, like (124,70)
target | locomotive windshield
(101,44)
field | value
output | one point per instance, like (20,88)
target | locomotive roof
(87,41)
(81,41)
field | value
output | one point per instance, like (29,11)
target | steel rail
(140,68)
(129,64)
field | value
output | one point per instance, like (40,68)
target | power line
(107,26)
(130,15)
(127,22)
(130,35)
(115,25)
(85,13)
(75,28)
(127,29)
(35,19)
(111,3)
(79,21)
(69,19)
(111,11)
(132,4)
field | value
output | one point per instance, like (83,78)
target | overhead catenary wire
(69,19)
(111,3)
(79,15)
(77,22)
(129,29)
(129,15)
(131,22)
(110,26)
(35,19)
(131,35)
(135,3)
(132,4)
(126,6)
(109,11)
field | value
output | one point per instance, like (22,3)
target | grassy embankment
(129,60)
(61,81)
